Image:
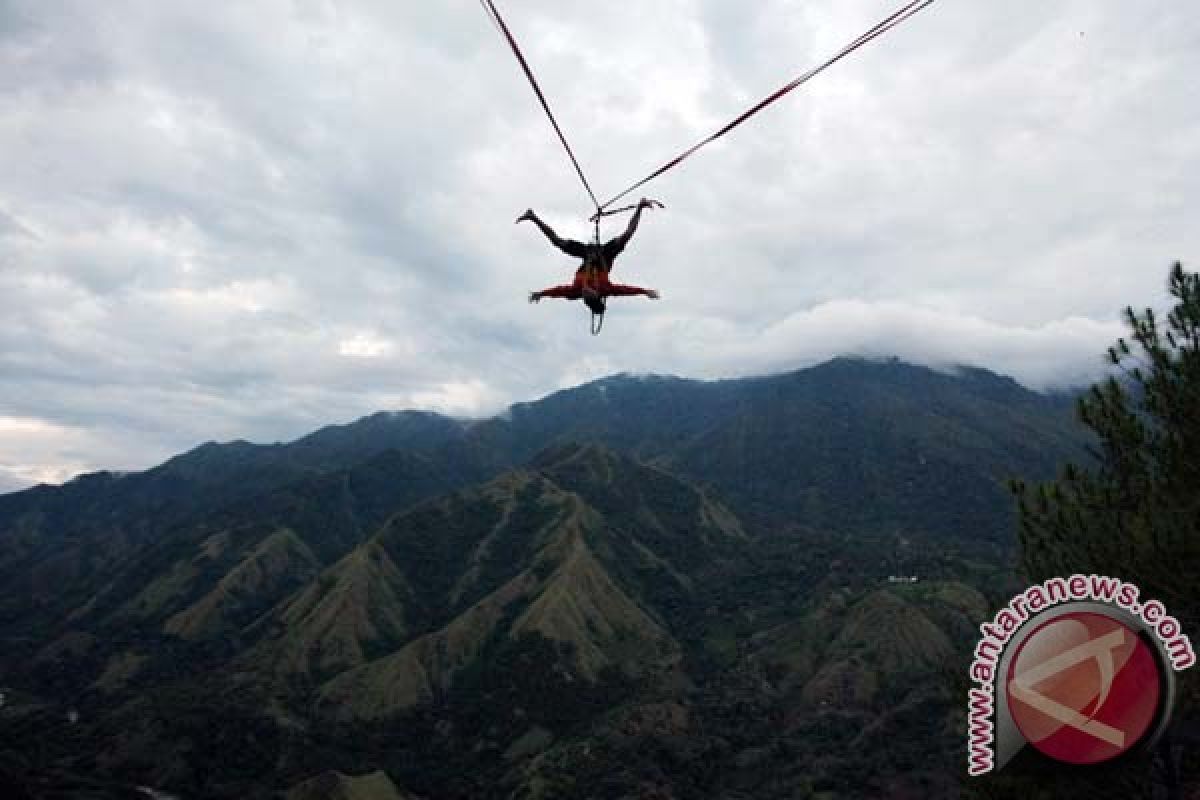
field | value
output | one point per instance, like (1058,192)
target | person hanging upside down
(591,279)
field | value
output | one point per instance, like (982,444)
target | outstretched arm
(623,290)
(568,291)
(568,246)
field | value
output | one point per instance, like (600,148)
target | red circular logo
(1084,688)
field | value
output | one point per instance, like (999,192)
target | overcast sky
(253,221)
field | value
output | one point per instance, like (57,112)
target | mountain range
(642,586)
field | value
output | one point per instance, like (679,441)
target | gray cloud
(251,222)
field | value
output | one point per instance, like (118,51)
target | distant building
(902,578)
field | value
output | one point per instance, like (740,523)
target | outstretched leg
(568,246)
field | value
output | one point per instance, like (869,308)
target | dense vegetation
(1134,510)
(697,604)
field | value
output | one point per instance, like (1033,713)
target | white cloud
(1061,353)
(469,398)
(34,450)
(363,346)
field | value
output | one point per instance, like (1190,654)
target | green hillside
(642,585)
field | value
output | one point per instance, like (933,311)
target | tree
(1134,512)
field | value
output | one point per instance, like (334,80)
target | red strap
(909,10)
